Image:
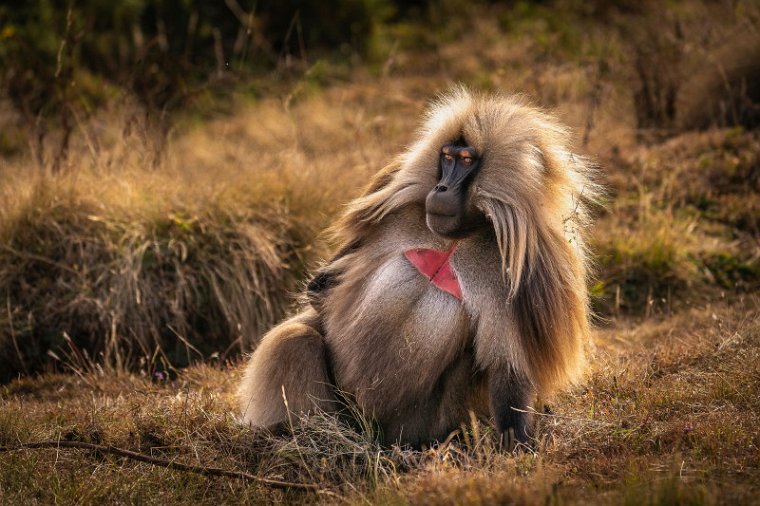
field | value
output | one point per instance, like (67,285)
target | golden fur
(408,354)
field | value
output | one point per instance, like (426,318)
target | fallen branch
(141,457)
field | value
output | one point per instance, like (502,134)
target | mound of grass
(682,226)
(154,288)
(641,269)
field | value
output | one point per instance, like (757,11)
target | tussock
(155,289)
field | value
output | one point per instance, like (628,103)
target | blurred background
(167,166)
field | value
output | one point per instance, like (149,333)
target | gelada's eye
(467,160)
(447,157)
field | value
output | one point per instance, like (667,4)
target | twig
(140,457)
(13,335)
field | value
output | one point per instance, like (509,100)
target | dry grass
(688,211)
(142,279)
(127,270)
(667,415)
(155,267)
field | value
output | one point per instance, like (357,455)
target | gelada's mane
(533,190)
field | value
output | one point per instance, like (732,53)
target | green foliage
(730,272)
(639,269)
(164,50)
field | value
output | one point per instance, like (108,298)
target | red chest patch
(435,266)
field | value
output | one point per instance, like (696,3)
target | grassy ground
(143,256)
(668,415)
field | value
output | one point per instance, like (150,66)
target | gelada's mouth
(441,215)
(444,225)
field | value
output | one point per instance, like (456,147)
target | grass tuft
(154,288)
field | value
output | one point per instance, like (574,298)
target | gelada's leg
(288,371)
